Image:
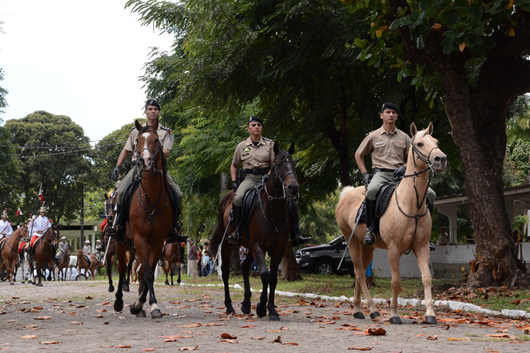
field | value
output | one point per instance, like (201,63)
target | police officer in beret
(165,136)
(256,153)
(389,148)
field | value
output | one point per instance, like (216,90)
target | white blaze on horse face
(146,154)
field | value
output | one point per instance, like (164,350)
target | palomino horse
(82,264)
(171,254)
(43,253)
(150,218)
(269,231)
(64,264)
(406,224)
(9,251)
(111,249)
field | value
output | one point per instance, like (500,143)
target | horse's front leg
(393,259)
(245,270)
(226,251)
(259,257)
(422,257)
(275,262)
(149,279)
(357,253)
(108,265)
(122,267)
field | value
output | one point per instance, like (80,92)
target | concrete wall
(446,261)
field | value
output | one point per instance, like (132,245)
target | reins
(425,159)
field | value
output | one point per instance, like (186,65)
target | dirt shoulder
(69,316)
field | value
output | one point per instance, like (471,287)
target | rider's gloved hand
(234,185)
(115,173)
(366,178)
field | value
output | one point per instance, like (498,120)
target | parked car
(324,259)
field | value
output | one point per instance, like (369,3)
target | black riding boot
(118,230)
(296,235)
(174,233)
(236,221)
(370,220)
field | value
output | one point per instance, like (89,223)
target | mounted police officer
(5,227)
(165,136)
(63,246)
(87,250)
(39,225)
(389,148)
(256,153)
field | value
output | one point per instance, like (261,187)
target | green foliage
(51,151)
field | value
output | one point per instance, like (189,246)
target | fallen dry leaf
(277,340)
(360,348)
(290,344)
(247,326)
(76,323)
(227,340)
(148,350)
(458,339)
(376,331)
(42,318)
(228,336)
(49,342)
(433,337)
(258,338)
(123,346)
(28,337)
(188,348)
(31,326)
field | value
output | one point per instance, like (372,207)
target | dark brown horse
(83,264)
(9,251)
(150,218)
(43,253)
(111,248)
(269,232)
(64,264)
(172,260)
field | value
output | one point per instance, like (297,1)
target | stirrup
(369,240)
(233,238)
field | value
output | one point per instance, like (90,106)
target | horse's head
(283,171)
(147,146)
(425,150)
(53,234)
(23,232)
(110,201)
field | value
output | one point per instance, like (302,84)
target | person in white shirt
(5,227)
(38,227)
(87,249)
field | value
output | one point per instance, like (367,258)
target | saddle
(382,201)
(131,189)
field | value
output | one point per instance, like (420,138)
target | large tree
(52,152)
(474,55)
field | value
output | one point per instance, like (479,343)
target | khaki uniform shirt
(388,151)
(253,157)
(165,135)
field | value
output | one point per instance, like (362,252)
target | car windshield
(337,241)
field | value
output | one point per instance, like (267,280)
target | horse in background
(64,264)
(9,251)
(83,264)
(150,219)
(172,262)
(405,225)
(268,231)
(111,249)
(43,254)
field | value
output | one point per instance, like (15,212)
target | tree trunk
(289,266)
(479,131)
(339,140)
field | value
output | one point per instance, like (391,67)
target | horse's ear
(137,124)
(430,128)
(413,130)
(276,148)
(291,149)
(106,196)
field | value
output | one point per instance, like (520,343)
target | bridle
(425,158)
(271,198)
(153,155)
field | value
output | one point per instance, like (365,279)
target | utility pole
(82,216)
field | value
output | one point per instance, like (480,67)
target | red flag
(19,212)
(41,198)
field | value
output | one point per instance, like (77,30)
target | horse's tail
(217,236)
(345,190)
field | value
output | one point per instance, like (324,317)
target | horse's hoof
(111,289)
(156,314)
(141,314)
(39,285)
(135,311)
(261,310)
(166,283)
(374,315)
(22,282)
(358,315)
(396,320)
(431,320)
(245,308)
(125,288)
(178,281)
(230,311)
(118,305)
(274,317)
(12,283)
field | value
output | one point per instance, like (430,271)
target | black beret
(389,105)
(153,103)
(254,118)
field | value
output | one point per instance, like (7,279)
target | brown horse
(43,253)
(82,264)
(150,218)
(406,224)
(269,231)
(171,254)
(111,249)
(64,264)
(9,251)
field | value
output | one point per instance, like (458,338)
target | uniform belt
(380,170)
(259,171)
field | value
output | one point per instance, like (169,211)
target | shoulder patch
(267,139)
(162,127)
